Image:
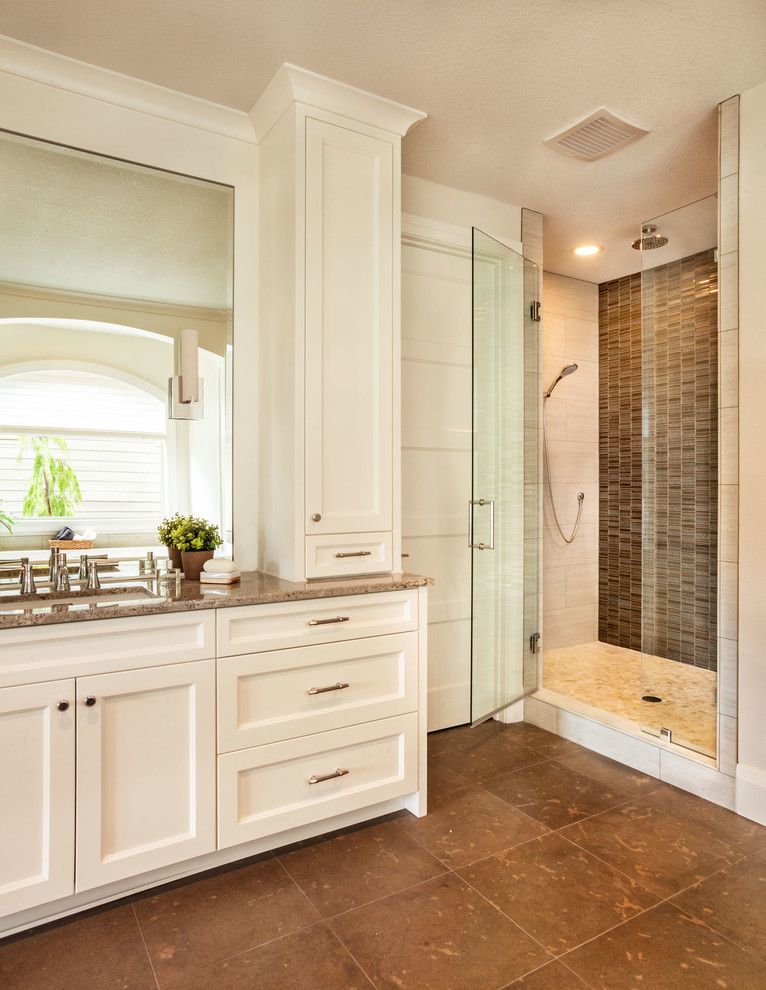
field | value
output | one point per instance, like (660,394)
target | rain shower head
(568,369)
(649,239)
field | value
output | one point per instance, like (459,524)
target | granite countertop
(255,588)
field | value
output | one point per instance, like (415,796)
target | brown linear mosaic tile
(658,440)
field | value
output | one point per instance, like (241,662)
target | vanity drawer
(265,697)
(269,789)
(257,628)
(357,553)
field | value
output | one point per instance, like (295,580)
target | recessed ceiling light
(587,249)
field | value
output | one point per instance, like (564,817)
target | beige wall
(751,768)
(570,572)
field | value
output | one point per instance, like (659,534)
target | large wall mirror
(103,266)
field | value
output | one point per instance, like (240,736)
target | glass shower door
(504,518)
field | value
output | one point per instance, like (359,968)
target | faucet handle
(93,580)
(27,577)
(62,575)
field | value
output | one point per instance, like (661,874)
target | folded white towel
(220,565)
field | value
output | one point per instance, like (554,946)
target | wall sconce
(185,387)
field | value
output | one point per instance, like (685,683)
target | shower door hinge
(666,734)
(535,311)
(534,642)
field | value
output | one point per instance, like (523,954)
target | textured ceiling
(496,77)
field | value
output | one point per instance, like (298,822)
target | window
(116,438)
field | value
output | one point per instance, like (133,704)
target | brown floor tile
(191,925)
(358,866)
(440,935)
(661,852)
(732,902)
(469,825)
(553,794)
(557,892)
(98,949)
(442,782)
(610,773)
(483,752)
(554,976)
(664,950)
(285,965)
(710,818)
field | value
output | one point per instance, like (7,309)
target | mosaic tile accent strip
(620,469)
(658,535)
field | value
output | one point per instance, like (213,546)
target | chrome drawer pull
(313,779)
(356,553)
(332,687)
(328,622)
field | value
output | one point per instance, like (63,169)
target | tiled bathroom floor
(541,865)
(614,679)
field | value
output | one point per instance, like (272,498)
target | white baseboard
(750,793)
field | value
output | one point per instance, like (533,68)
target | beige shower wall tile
(582,339)
(582,422)
(729,136)
(556,553)
(727,677)
(729,446)
(569,626)
(573,461)
(727,600)
(554,588)
(581,584)
(728,239)
(728,368)
(728,540)
(554,335)
(728,290)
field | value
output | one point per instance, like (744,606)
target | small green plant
(7,521)
(166,527)
(190,533)
(53,488)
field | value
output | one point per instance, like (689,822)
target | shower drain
(651,697)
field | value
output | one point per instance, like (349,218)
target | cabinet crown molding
(293,84)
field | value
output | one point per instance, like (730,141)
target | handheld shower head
(568,369)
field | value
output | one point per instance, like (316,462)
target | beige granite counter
(255,588)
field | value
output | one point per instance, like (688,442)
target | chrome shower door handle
(482,502)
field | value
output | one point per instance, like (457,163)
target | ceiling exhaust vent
(596,136)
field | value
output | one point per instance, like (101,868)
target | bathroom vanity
(164,737)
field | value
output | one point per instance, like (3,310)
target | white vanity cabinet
(37,814)
(329,236)
(135,750)
(145,770)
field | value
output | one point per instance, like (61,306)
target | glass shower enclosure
(504,509)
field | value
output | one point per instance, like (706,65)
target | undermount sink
(104,597)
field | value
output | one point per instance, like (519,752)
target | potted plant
(165,536)
(197,540)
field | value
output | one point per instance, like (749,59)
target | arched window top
(55,400)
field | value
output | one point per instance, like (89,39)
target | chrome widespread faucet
(62,575)
(27,577)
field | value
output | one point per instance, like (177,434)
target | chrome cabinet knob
(63,706)
(90,701)
(317,517)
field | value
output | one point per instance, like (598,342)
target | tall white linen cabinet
(329,327)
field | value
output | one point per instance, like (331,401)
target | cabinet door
(145,770)
(36,795)
(349,330)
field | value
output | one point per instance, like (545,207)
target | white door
(349,331)
(36,794)
(145,770)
